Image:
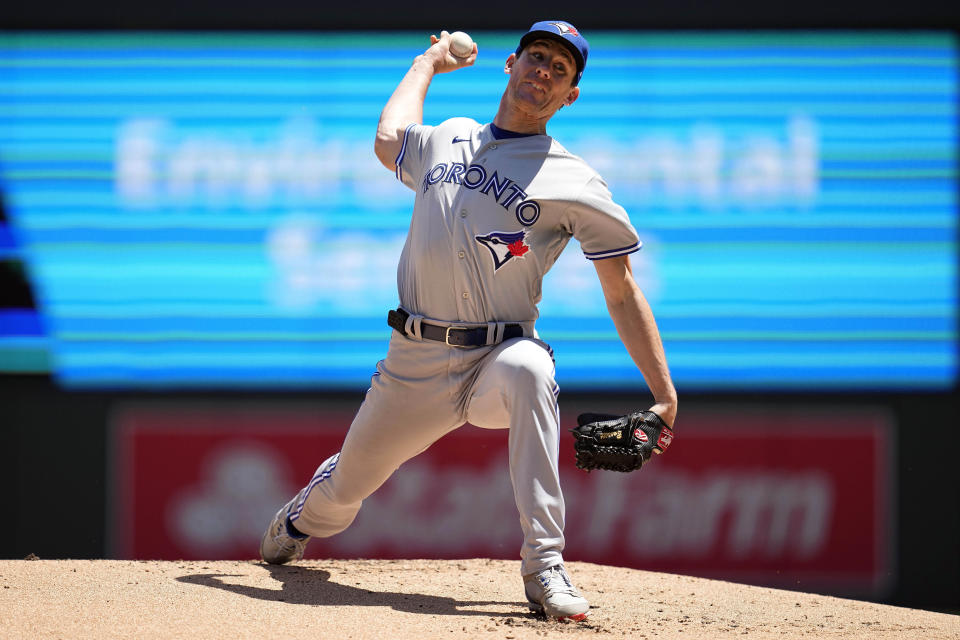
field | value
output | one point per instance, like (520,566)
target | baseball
(461,44)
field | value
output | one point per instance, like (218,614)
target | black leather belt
(453,336)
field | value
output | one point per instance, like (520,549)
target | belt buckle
(446,336)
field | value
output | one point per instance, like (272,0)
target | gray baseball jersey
(492,216)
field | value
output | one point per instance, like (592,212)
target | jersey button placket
(459,279)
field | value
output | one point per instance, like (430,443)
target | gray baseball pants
(423,390)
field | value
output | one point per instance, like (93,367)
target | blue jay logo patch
(564,28)
(504,246)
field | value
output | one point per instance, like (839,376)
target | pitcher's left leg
(515,388)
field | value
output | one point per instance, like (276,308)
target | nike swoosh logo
(456,139)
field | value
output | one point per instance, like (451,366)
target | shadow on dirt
(302,585)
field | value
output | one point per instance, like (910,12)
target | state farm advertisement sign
(783,497)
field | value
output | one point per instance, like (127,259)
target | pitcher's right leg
(406,409)
(388,430)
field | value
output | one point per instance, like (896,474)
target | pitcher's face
(541,78)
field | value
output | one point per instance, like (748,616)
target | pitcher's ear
(508,65)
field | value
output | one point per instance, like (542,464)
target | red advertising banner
(782,497)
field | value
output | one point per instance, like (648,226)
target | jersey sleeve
(600,225)
(412,153)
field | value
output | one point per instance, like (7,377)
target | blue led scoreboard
(205,210)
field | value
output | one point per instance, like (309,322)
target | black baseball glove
(619,443)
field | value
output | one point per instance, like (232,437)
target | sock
(293,532)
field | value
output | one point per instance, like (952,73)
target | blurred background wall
(197,248)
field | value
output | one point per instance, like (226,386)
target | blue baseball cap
(565,33)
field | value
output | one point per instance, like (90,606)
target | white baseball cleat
(279,547)
(551,593)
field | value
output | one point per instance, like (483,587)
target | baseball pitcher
(494,206)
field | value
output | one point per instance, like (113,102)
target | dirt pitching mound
(388,599)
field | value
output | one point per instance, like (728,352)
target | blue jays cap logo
(504,246)
(563,28)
